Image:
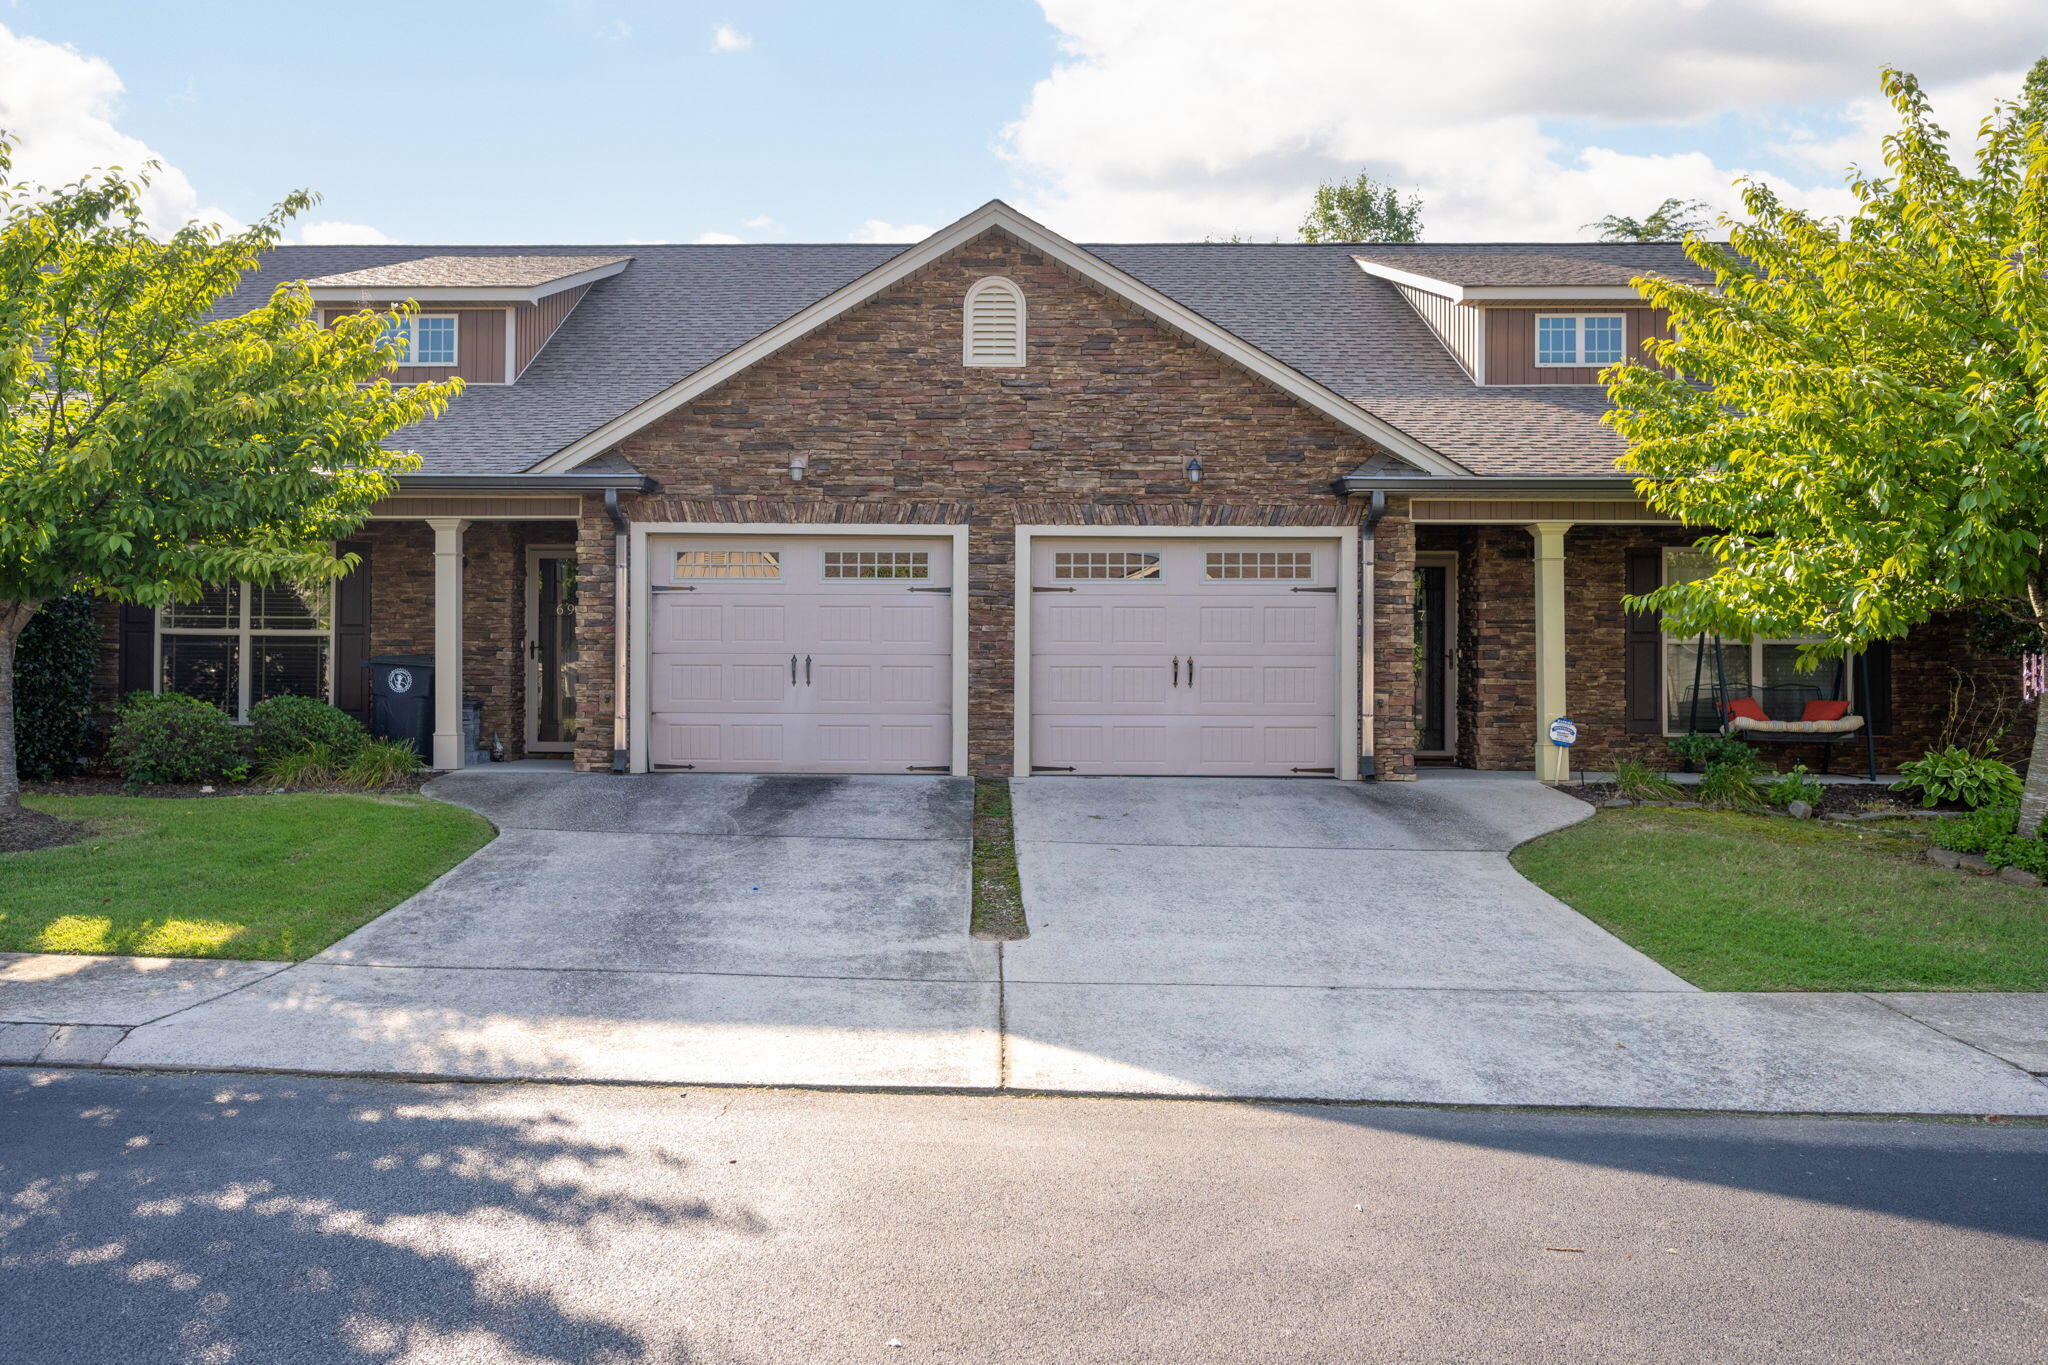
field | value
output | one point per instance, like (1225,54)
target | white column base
(448,748)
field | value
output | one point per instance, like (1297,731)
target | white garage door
(817,655)
(1184,657)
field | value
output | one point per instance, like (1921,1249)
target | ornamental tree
(1855,408)
(150,447)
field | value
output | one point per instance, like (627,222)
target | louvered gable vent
(995,323)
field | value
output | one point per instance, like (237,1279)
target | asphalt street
(218,1219)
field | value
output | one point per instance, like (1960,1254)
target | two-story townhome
(1001,504)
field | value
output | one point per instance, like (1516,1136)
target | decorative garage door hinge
(674,767)
(929,768)
(1311,590)
(1036,588)
(1312,770)
(665,588)
(931,590)
(1043,768)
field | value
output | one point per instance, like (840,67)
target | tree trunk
(14,616)
(2034,797)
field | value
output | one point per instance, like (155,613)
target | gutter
(525,483)
(620,529)
(1480,484)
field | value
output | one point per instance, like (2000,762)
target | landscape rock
(1975,862)
(1799,810)
(2018,876)
(1944,857)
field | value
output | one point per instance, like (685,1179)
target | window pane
(1259,564)
(728,564)
(219,609)
(1603,338)
(397,338)
(1687,710)
(1786,690)
(433,341)
(878,564)
(283,607)
(204,666)
(1118,564)
(1557,340)
(288,666)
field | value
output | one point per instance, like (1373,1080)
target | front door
(550,650)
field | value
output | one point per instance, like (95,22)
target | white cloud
(716,239)
(331,232)
(1180,118)
(764,221)
(726,38)
(875,230)
(60,106)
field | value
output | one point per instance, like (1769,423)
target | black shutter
(138,649)
(352,635)
(1643,645)
(1876,705)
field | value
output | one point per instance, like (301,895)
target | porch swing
(1824,721)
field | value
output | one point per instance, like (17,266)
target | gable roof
(998,216)
(677,309)
(1488,265)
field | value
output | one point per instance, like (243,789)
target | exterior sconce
(798,463)
(1194,469)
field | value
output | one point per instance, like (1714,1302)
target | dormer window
(1579,339)
(423,339)
(994,330)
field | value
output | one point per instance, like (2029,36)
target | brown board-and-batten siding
(536,322)
(1462,330)
(1511,341)
(479,346)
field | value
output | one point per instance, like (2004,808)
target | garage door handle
(1191,670)
(807,670)
(792,670)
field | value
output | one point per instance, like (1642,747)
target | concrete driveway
(761,930)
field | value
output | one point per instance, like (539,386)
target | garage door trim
(1346,540)
(640,658)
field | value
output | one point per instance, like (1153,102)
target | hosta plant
(1955,774)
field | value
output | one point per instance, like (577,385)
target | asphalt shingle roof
(482,272)
(675,309)
(1574,263)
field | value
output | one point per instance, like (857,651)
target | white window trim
(1578,321)
(1013,358)
(1754,646)
(1354,681)
(243,632)
(408,325)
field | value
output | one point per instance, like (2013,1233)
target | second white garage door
(825,655)
(1164,656)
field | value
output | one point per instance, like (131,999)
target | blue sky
(601,121)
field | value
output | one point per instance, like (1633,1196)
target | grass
(998,891)
(1736,902)
(271,877)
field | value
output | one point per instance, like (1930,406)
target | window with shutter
(994,329)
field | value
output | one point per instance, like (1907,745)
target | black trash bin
(402,700)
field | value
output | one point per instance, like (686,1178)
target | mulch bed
(115,786)
(29,830)
(1860,799)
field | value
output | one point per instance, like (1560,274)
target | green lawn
(1749,903)
(276,877)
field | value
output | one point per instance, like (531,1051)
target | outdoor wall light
(1194,469)
(798,463)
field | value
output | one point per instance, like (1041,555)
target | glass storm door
(551,651)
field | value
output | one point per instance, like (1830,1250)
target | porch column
(1550,671)
(447,641)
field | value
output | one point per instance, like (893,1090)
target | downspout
(620,615)
(1368,765)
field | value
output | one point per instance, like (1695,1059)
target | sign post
(1564,732)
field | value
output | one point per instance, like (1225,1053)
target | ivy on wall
(53,668)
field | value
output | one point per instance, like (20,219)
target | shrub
(1731,786)
(175,738)
(1989,830)
(313,766)
(1955,774)
(1638,781)
(1706,749)
(381,763)
(283,726)
(53,666)
(1797,785)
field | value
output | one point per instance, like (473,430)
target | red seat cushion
(1745,706)
(1825,710)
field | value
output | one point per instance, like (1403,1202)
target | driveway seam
(1246,848)
(634,971)
(232,990)
(2034,1076)
(1469,990)
(734,834)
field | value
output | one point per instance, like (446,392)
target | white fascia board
(1476,294)
(997,214)
(534,293)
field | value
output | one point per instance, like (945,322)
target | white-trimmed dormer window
(994,323)
(423,339)
(1580,339)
